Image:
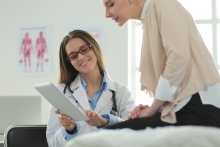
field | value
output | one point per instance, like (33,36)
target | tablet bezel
(56,98)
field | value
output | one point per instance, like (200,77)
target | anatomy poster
(33,51)
(95,31)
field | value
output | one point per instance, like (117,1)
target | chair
(25,136)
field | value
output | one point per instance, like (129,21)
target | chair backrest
(25,136)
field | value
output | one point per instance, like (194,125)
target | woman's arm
(153,109)
(145,111)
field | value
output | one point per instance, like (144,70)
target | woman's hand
(95,119)
(137,111)
(65,121)
(146,112)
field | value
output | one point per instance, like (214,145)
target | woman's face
(84,63)
(117,10)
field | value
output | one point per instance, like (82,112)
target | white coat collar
(80,94)
(77,83)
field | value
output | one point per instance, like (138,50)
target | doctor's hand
(95,119)
(65,121)
(137,111)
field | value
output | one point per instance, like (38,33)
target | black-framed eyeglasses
(82,50)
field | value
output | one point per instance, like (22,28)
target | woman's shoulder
(165,3)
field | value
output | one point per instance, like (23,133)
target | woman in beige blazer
(176,66)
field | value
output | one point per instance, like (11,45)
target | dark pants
(193,113)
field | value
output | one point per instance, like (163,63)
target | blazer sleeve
(173,28)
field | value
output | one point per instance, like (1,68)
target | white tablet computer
(56,98)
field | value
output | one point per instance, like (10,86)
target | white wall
(59,15)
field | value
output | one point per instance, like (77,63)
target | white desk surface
(1,142)
(1,138)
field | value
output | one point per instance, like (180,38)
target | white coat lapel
(106,96)
(104,99)
(81,97)
(79,93)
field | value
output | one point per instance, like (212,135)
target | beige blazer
(172,47)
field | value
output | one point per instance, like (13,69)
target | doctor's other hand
(67,122)
(137,111)
(95,119)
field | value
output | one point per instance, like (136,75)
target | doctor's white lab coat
(124,101)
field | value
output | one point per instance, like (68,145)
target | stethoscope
(113,110)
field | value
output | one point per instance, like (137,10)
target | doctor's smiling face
(81,55)
(118,10)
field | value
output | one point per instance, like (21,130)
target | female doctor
(84,81)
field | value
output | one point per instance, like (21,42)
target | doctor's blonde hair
(67,72)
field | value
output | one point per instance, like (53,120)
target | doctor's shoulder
(61,88)
(122,90)
(117,85)
(121,87)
